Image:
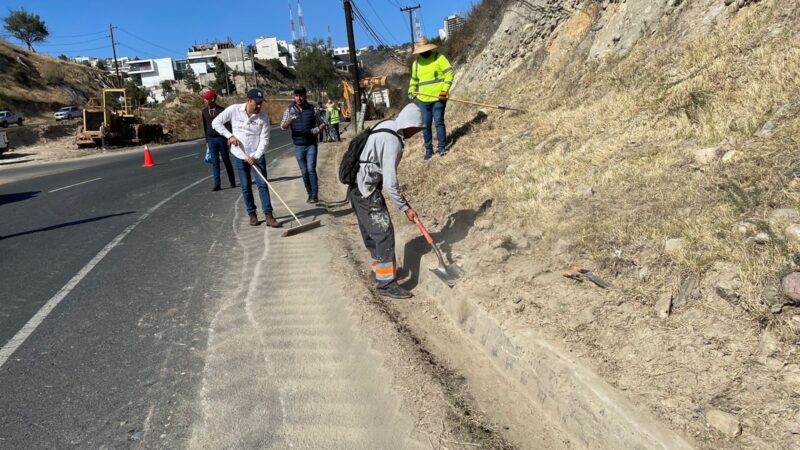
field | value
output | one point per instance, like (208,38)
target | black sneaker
(310,200)
(233,185)
(314,200)
(216,188)
(394,291)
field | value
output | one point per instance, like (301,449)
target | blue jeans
(306,156)
(433,113)
(245,178)
(218,146)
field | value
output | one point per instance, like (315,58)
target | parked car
(68,112)
(7,117)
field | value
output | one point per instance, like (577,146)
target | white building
(451,24)
(152,72)
(271,48)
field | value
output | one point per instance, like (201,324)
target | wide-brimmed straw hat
(423,46)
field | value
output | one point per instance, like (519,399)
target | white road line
(24,333)
(73,185)
(282,146)
(181,157)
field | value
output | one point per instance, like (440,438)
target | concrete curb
(584,405)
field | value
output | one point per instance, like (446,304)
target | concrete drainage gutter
(585,406)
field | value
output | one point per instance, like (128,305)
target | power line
(61,44)
(76,50)
(369,3)
(142,52)
(75,35)
(148,42)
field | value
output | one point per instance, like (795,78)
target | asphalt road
(127,261)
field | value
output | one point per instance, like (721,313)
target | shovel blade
(449,274)
(301,228)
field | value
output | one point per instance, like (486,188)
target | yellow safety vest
(430,76)
(334,115)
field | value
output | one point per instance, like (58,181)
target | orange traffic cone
(148,158)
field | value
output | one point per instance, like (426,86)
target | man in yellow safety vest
(431,78)
(333,118)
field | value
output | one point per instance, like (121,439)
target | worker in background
(431,78)
(103,135)
(334,118)
(249,139)
(217,144)
(378,170)
(305,124)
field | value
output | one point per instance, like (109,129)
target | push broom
(301,227)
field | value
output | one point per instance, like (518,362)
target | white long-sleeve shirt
(251,131)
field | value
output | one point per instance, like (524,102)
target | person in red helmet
(216,142)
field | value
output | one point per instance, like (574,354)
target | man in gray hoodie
(378,170)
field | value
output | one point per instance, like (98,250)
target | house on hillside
(271,48)
(151,72)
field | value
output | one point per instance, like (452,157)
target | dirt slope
(34,84)
(660,150)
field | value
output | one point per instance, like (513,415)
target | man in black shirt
(217,143)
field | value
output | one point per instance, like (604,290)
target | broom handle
(258,171)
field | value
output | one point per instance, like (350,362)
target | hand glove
(443,95)
(411,96)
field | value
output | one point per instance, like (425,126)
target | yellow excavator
(122,117)
(368,87)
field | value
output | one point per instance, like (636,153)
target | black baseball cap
(300,90)
(255,94)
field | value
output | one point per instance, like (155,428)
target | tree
(166,88)
(28,28)
(63,57)
(315,67)
(135,92)
(190,80)
(335,90)
(101,64)
(251,50)
(222,80)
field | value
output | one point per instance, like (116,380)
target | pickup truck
(7,117)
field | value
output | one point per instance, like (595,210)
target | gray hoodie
(384,152)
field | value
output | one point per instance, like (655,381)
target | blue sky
(149,28)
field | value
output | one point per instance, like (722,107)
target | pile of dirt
(659,150)
(38,85)
(180,115)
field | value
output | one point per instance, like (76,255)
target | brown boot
(254,219)
(270,221)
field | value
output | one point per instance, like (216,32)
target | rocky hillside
(660,149)
(36,84)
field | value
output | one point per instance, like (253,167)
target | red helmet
(209,94)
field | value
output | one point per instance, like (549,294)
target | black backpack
(348,168)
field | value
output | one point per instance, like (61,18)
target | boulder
(792,233)
(664,305)
(790,286)
(705,156)
(673,246)
(726,423)
(731,156)
(779,219)
(768,344)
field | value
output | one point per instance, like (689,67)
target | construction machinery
(122,117)
(374,97)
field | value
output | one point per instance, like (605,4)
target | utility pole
(114,51)
(410,11)
(253,66)
(348,17)
(244,71)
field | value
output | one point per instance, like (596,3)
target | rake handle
(258,171)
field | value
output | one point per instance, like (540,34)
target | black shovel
(449,274)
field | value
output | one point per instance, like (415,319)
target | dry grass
(625,128)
